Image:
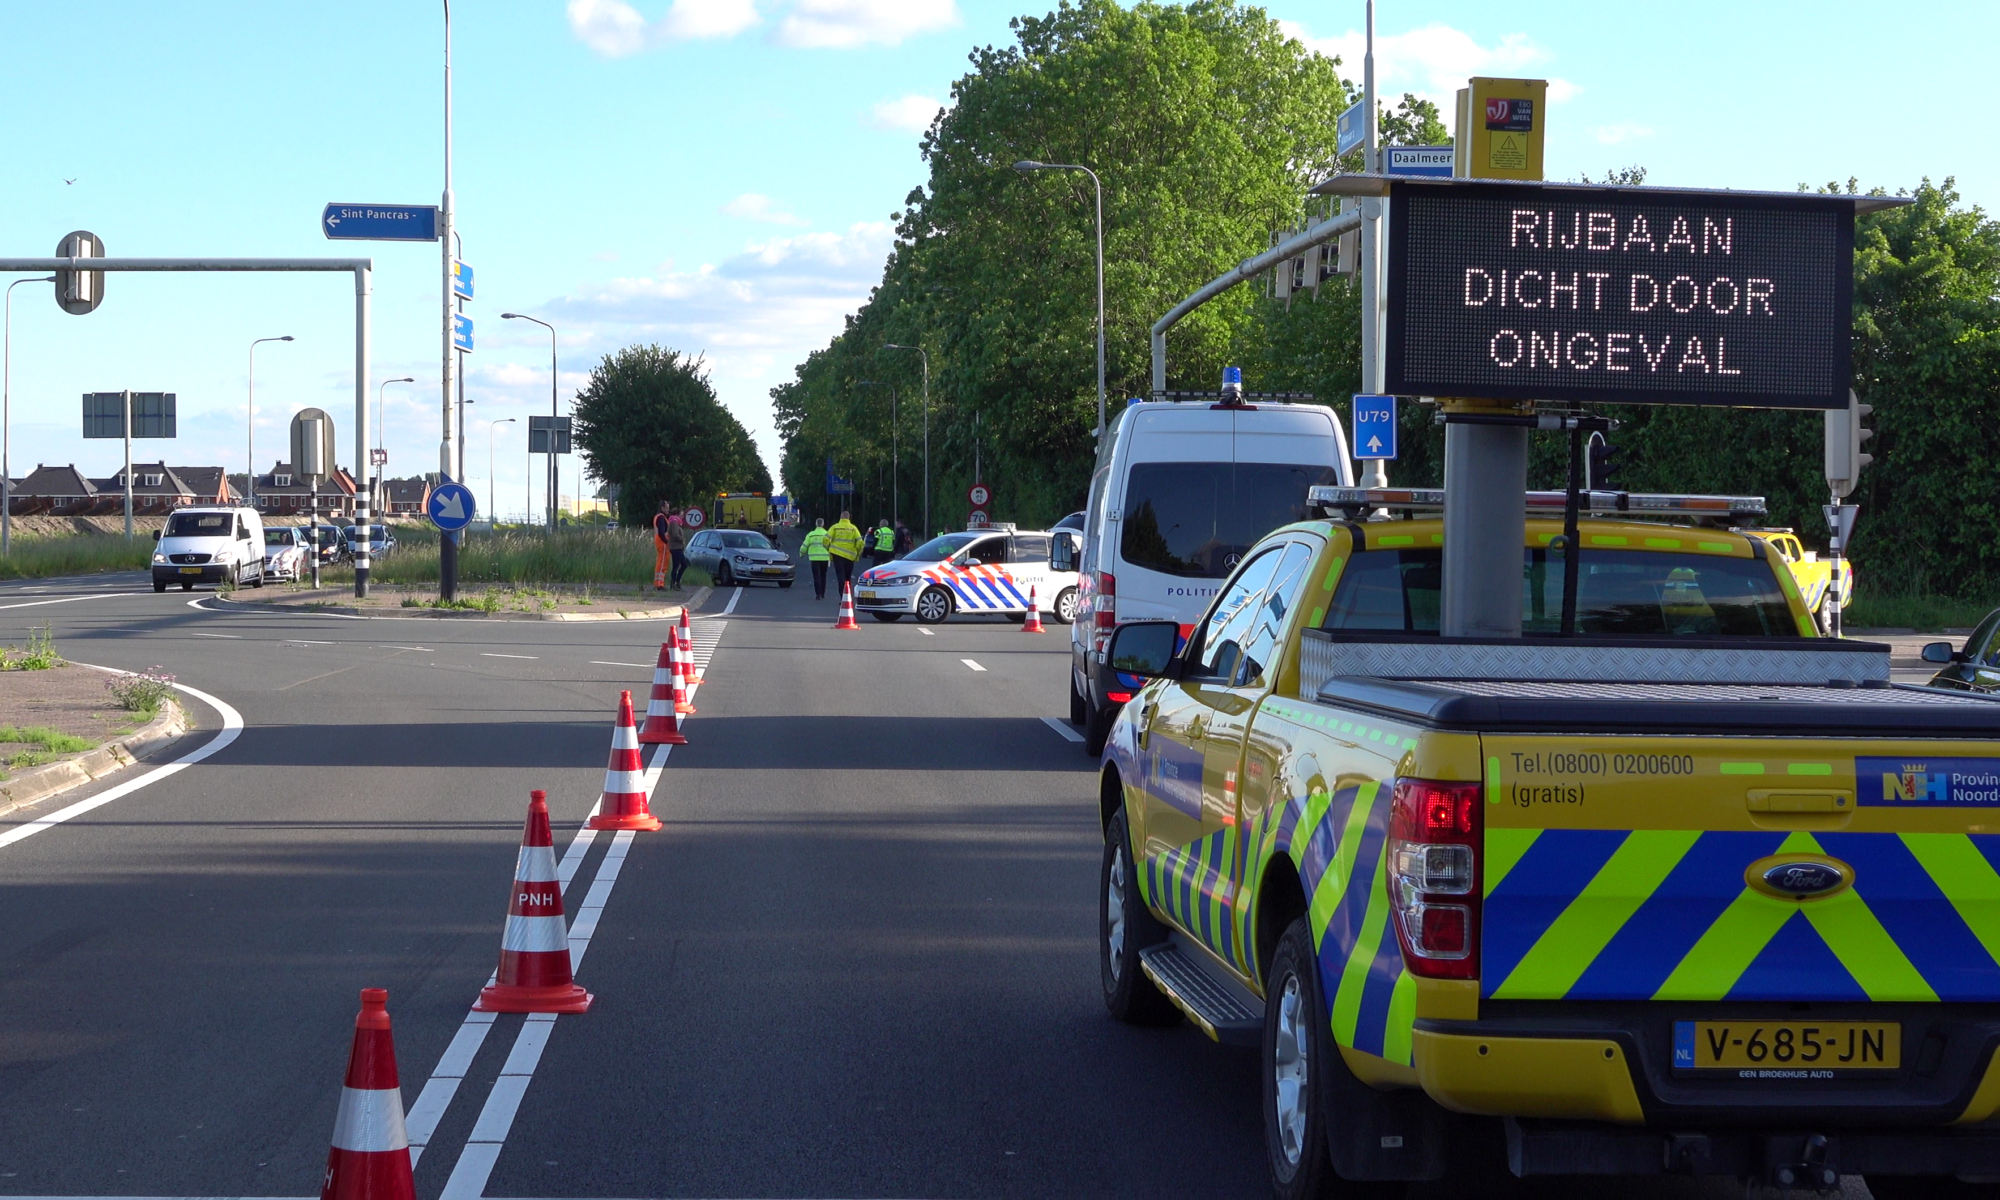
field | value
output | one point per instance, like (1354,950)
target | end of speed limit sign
(979,494)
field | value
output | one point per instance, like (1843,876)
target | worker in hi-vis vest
(845,542)
(885,542)
(815,549)
(663,550)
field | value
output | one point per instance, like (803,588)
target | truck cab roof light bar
(1345,501)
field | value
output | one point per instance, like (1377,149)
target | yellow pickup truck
(1812,573)
(1694,890)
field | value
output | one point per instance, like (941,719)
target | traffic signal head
(1604,466)
(1844,439)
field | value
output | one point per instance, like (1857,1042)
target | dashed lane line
(975,666)
(1063,728)
(530,657)
(640,666)
(234,637)
(926,633)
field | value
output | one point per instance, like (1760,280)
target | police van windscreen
(1197,520)
(210,524)
(940,548)
(1620,593)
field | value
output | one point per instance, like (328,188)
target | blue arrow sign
(451,506)
(461,279)
(461,332)
(380,222)
(1374,427)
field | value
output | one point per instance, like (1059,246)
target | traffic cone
(682,707)
(847,620)
(661,729)
(370,1158)
(534,974)
(695,677)
(624,804)
(1034,622)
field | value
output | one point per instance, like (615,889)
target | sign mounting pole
(447,220)
(1374,472)
(126,402)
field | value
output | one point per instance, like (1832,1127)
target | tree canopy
(649,422)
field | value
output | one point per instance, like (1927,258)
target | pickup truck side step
(1206,1001)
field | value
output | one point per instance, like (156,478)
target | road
(860,959)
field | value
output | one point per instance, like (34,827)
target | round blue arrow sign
(451,506)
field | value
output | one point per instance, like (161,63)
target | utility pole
(448,445)
(1374,472)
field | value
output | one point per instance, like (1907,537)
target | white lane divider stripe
(232,727)
(733,598)
(234,637)
(1063,728)
(69,599)
(496,1117)
(926,633)
(640,666)
(975,666)
(484,654)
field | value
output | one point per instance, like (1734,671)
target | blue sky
(716,175)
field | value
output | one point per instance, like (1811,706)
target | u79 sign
(1582,294)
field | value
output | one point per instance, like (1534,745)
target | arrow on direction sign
(452,508)
(1374,443)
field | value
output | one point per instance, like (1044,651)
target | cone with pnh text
(370,1158)
(624,804)
(683,707)
(660,728)
(846,620)
(695,677)
(1034,622)
(534,974)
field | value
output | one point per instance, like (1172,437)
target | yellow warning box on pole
(1500,127)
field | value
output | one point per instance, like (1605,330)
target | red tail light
(1105,603)
(1433,876)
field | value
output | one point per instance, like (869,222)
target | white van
(1181,490)
(209,545)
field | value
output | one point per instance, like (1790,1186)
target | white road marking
(733,598)
(640,666)
(232,727)
(418,649)
(1063,728)
(926,633)
(483,654)
(234,637)
(496,1117)
(975,666)
(68,600)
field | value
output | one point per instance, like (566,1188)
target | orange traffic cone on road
(1034,622)
(682,706)
(661,729)
(370,1158)
(535,974)
(624,804)
(846,620)
(695,677)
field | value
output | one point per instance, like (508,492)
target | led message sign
(1523,293)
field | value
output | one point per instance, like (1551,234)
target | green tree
(1206,124)
(649,422)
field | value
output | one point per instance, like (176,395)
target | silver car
(738,556)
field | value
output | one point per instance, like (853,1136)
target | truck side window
(1228,625)
(1268,618)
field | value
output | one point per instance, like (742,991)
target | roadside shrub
(38,655)
(141,692)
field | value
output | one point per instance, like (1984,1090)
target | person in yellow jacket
(844,540)
(882,541)
(814,547)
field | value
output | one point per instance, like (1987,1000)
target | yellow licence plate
(1783,1048)
(865,594)
(190,570)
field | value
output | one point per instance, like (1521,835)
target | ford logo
(1804,879)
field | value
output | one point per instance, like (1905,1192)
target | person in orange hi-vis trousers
(663,553)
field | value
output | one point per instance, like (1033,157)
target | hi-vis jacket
(815,545)
(845,540)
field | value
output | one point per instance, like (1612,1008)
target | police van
(998,569)
(1181,489)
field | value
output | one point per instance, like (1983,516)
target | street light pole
(553,481)
(448,444)
(1027,165)
(895,459)
(927,431)
(375,489)
(492,494)
(250,432)
(7,419)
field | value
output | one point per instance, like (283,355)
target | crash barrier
(370,1155)
(534,974)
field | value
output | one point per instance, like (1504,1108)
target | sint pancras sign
(1640,295)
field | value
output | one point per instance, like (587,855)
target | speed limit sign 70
(692,518)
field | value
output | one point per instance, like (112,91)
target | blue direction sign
(461,279)
(1351,130)
(461,331)
(380,222)
(1374,427)
(1434,161)
(451,506)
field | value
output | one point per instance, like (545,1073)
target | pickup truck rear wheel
(1125,927)
(1299,1079)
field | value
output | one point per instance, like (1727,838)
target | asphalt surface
(859,960)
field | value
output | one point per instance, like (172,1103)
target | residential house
(210,485)
(280,493)
(156,490)
(406,497)
(61,491)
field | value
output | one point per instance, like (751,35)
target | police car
(977,571)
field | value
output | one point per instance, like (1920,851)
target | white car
(284,552)
(978,571)
(210,545)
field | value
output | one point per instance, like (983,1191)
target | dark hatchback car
(1976,668)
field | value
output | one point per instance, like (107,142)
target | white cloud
(1435,61)
(1611,135)
(909,114)
(843,24)
(614,29)
(754,207)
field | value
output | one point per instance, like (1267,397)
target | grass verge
(86,554)
(572,556)
(1922,613)
(43,745)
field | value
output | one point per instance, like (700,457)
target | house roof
(206,482)
(170,483)
(406,491)
(340,482)
(45,480)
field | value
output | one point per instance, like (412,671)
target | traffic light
(80,292)
(1844,438)
(1603,466)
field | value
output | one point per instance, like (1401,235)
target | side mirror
(156,535)
(1062,553)
(1144,648)
(1939,652)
